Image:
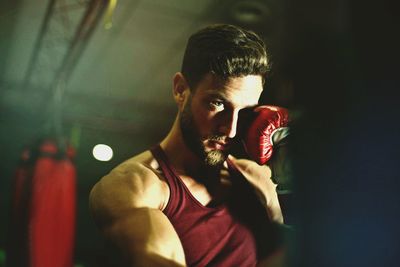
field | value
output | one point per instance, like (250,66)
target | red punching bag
(17,252)
(20,182)
(52,208)
(48,220)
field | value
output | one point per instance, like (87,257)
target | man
(187,201)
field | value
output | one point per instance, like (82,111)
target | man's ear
(180,88)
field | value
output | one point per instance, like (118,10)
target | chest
(209,193)
(210,233)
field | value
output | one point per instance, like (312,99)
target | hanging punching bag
(17,252)
(43,208)
(52,208)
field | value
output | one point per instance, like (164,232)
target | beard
(211,158)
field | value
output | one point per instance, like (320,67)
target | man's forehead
(244,90)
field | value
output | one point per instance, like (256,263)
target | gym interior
(87,84)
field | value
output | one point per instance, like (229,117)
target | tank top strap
(171,177)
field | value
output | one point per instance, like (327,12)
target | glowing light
(102,152)
(108,18)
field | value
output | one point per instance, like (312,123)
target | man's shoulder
(144,158)
(134,183)
(143,166)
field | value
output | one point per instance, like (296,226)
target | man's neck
(179,155)
(189,166)
(182,158)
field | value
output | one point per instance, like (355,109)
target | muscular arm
(260,178)
(126,207)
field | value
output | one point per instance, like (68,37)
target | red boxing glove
(268,127)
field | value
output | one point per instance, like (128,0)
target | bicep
(125,207)
(145,237)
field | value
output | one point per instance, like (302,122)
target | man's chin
(215,158)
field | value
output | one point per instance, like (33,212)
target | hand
(265,138)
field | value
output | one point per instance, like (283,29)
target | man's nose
(229,126)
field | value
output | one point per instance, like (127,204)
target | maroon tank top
(214,236)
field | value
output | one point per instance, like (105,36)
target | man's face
(209,117)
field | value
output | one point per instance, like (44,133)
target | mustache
(217,138)
(220,138)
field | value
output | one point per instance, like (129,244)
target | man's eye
(217,104)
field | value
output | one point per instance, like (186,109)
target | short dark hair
(224,51)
